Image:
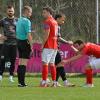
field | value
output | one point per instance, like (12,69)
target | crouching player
(93,51)
(60,18)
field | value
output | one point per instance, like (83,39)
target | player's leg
(89,75)
(2,67)
(57,61)
(93,64)
(12,60)
(8,53)
(3,53)
(21,72)
(46,55)
(53,67)
(63,75)
(57,76)
(60,71)
(24,53)
(2,62)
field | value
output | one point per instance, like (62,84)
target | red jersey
(51,24)
(92,49)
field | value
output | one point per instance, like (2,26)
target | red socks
(45,72)
(89,76)
(53,72)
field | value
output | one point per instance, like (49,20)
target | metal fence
(80,16)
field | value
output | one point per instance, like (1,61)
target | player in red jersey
(50,28)
(93,51)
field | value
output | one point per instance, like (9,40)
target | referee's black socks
(60,71)
(21,74)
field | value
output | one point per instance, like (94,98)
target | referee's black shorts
(24,49)
(58,58)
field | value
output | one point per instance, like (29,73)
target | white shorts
(94,62)
(48,55)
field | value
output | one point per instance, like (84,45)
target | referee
(24,43)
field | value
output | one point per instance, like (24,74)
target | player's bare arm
(73,58)
(64,41)
(68,42)
(75,50)
(45,36)
(30,38)
(2,37)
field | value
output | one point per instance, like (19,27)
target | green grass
(10,91)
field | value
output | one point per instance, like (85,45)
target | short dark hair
(58,16)
(79,42)
(10,6)
(49,9)
(26,8)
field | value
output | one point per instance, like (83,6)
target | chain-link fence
(80,16)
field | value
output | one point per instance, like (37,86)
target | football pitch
(10,91)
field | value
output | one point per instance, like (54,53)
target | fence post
(97,21)
(20,7)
